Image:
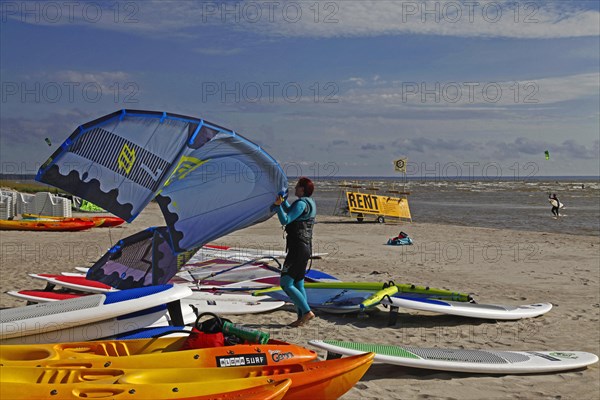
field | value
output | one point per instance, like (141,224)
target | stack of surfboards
(330,296)
(93,316)
(205,301)
(216,274)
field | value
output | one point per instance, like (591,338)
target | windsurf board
(226,296)
(96,330)
(79,283)
(42,319)
(345,297)
(473,310)
(231,307)
(335,301)
(43,296)
(462,360)
(79,274)
(221,304)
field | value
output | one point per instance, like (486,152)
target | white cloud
(357,81)
(326,19)
(442,17)
(105,79)
(475,95)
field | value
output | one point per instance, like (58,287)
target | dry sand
(498,266)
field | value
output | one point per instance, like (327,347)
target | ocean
(520,204)
(512,204)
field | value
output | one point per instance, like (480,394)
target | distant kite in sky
(48,142)
(547,153)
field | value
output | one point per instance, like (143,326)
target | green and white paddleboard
(461,360)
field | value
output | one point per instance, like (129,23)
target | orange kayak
(50,225)
(100,221)
(111,221)
(270,391)
(151,353)
(323,380)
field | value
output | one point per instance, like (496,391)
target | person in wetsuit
(298,219)
(555,208)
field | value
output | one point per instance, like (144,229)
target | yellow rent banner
(378,205)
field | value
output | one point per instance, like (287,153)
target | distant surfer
(555,204)
(298,219)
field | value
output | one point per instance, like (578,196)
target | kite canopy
(142,259)
(208,180)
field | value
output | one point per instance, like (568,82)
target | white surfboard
(226,304)
(114,327)
(73,274)
(230,307)
(461,360)
(41,319)
(95,330)
(556,203)
(43,296)
(229,296)
(464,309)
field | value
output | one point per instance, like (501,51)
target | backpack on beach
(401,240)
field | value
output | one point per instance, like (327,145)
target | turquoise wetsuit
(298,220)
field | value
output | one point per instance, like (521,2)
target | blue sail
(208,180)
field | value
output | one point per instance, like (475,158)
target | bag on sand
(401,240)
(206,334)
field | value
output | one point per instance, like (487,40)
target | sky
(328,88)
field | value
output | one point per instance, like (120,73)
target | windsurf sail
(208,180)
(221,272)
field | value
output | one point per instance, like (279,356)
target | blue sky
(327,88)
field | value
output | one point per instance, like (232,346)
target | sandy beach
(496,265)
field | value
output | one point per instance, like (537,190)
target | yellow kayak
(321,380)
(103,384)
(150,353)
